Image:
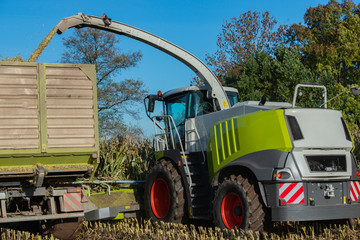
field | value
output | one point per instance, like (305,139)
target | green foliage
(125,158)
(330,40)
(274,76)
(349,105)
(115,97)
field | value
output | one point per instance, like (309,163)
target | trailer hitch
(329,191)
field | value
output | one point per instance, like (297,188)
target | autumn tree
(115,97)
(240,37)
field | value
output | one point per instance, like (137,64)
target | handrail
(172,122)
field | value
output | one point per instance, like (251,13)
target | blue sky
(192,25)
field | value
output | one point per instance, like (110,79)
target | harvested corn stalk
(35,55)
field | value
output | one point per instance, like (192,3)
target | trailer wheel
(65,229)
(237,205)
(164,198)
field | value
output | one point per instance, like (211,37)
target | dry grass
(145,230)
(135,229)
(10,234)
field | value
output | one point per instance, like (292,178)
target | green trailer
(49,139)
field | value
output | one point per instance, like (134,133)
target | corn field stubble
(133,228)
(129,158)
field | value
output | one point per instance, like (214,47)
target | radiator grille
(335,163)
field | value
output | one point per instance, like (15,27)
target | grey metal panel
(321,128)
(70,110)
(19,124)
(314,213)
(40,217)
(273,105)
(261,163)
(109,212)
(316,192)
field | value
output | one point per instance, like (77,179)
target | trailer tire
(238,205)
(66,229)
(164,193)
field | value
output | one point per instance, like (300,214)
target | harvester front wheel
(237,205)
(164,193)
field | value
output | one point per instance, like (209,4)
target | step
(201,214)
(197,162)
(199,192)
(194,170)
(203,178)
(200,206)
(197,184)
(203,202)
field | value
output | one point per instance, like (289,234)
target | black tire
(164,193)
(66,229)
(237,205)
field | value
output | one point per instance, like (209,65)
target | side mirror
(355,91)
(151,104)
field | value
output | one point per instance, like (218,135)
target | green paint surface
(159,155)
(239,136)
(52,160)
(116,198)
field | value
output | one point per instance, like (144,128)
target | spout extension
(72,21)
(106,19)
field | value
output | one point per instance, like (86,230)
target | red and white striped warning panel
(72,202)
(354,191)
(291,193)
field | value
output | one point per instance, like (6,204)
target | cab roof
(193,88)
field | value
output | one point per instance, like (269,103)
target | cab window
(233,98)
(199,104)
(176,107)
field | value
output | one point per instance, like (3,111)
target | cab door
(198,104)
(176,108)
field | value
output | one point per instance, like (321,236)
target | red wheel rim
(160,198)
(232,210)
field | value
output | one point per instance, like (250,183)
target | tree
(274,76)
(115,98)
(330,40)
(240,37)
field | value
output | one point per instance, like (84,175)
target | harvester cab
(180,107)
